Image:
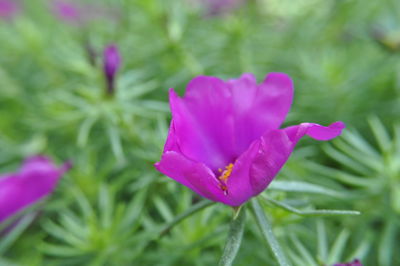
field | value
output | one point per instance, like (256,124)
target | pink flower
(354,263)
(216,7)
(224,141)
(36,179)
(68,11)
(80,14)
(8,8)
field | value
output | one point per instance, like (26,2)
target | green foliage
(113,208)
(322,252)
(371,171)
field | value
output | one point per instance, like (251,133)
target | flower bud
(111,64)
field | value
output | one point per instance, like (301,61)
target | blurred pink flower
(217,7)
(81,14)
(9,8)
(224,141)
(67,11)
(354,263)
(36,179)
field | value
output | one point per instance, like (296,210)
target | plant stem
(234,240)
(267,233)
(310,212)
(193,209)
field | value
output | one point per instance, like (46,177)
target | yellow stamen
(223,187)
(226,173)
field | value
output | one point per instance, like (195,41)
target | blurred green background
(343,56)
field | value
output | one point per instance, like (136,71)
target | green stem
(234,240)
(267,233)
(193,209)
(310,212)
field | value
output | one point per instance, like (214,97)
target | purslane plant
(225,144)
(224,141)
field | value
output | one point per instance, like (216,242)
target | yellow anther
(226,173)
(224,188)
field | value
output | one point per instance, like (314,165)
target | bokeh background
(343,56)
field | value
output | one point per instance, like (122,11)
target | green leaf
(106,206)
(357,141)
(362,249)
(163,209)
(339,246)
(381,135)
(305,254)
(299,186)
(192,210)
(353,164)
(61,250)
(84,130)
(234,240)
(387,243)
(322,241)
(134,209)
(116,144)
(341,176)
(16,231)
(63,233)
(310,212)
(267,233)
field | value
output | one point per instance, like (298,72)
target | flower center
(226,173)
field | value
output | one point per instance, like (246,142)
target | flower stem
(267,233)
(234,240)
(192,210)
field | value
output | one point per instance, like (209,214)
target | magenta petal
(258,166)
(203,121)
(274,151)
(259,108)
(36,179)
(216,121)
(276,147)
(244,92)
(193,175)
(172,143)
(273,101)
(239,187)
(315,131)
